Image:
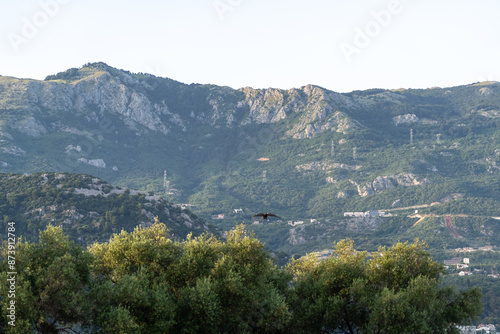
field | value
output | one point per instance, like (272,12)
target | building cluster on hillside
(464,263)
(481,328)
(460,263)
(370,213)
(470,249)
(489,329)
(221,216)
(464,250)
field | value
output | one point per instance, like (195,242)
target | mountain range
(308,154)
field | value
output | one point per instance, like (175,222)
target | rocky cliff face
(98,90)
(316,106)
(147,103)
(92,97)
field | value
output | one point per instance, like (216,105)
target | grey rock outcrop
(342,195)
(30,126)
(382,183)
(99,163)
(92,96)
(325,166)
(405,119)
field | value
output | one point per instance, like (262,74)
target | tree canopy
(145,282)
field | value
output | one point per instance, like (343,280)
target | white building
(489,329)
(370,213)
(467,329)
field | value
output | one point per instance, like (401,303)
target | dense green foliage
(490,289)
(483,264)
(69,74)
(395,291)
(33,201)
(145,282)
(51,286)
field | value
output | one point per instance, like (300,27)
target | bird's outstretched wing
(265,215)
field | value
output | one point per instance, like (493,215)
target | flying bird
(265,215)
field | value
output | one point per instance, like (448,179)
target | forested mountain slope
(85,207)
(304,153)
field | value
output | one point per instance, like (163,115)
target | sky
(336,44)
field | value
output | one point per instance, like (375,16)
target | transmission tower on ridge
(411,136)
(332,153)
(354,153)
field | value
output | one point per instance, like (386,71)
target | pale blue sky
(341,45)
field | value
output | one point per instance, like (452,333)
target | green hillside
(86,208)
(303,153)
